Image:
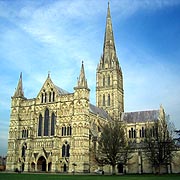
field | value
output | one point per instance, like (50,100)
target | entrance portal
(32,166)
(41,164)
(65,168)
(120,168)
(22,168)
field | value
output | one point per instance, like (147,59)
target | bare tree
(112,146)
(159,142)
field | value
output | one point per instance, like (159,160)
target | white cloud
(39,37)
(128,8)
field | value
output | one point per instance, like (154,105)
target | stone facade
(55,131)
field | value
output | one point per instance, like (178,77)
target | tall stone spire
(82,82)
(109,77)
(109,50)
(19,90)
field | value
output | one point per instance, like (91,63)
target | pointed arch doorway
(120,168)
(65,168)
(41,164)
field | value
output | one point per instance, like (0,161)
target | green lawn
(23,176)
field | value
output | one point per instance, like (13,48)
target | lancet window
(52,123)
(104,100)
(46,122)
(65,149)
(66,130)
(109,100)
(46,125)
(48,96)
(40,125)
(132,133)
(109,80)
(25,133)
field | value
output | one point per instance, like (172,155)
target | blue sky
(41,36)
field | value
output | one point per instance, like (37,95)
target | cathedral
(55,131)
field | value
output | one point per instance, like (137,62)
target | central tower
(109,78)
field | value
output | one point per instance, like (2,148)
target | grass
(24,176)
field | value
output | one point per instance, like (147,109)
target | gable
(49,92)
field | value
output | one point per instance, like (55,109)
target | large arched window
(46,122)
(52,123)
(40,125)
(66,150)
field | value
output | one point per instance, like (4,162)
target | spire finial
(19,90)
(109,45)
(82,82)
(49,72)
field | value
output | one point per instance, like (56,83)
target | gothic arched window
(45,98)
(129,133)
(62,131)
(109,99)
(23,133)
(134,133)
(23,150)
(52,123)
(69,130)
(103,80)
(65,131)
(53,96)
(42,97)
(46,122)
(65,150)
(109,80)
(40,125)
(140,133)
(27,133)
(49,96)
(143,132)
(104,100)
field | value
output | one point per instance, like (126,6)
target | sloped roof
(98,111)
(140,116)
(61,91)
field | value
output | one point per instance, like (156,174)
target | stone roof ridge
(141,116)
(98,111)
(142,111)
(61,91)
